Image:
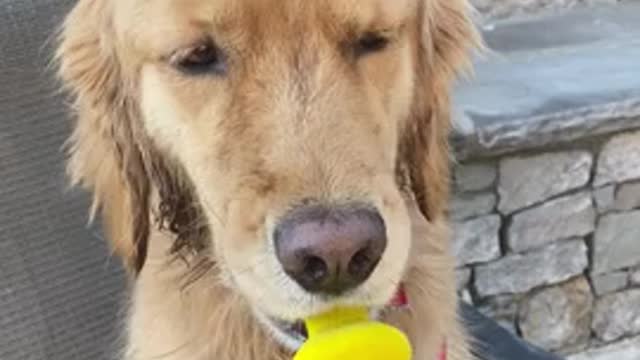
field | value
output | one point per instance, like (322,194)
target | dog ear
(106,153)
(445,38)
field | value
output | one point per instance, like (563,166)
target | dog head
(277,139)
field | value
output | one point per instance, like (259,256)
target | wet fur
(183,304)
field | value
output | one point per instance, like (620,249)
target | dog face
(271,122)
(283,129)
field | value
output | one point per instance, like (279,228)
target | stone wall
(500,9)
(548,243)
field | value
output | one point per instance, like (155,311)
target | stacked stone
(548,244)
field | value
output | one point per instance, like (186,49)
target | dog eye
(202,58)
(370,43)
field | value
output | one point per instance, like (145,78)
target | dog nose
(330,250)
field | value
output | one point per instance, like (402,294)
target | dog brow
(367,15)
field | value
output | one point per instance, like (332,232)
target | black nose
(330,250)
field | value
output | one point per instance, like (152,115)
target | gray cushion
(59,289)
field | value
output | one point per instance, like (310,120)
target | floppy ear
(105,151)
(445,38)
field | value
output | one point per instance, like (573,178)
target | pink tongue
(400,298)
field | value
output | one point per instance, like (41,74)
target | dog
(255,162)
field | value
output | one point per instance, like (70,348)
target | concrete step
(550,80)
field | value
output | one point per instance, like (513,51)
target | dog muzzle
(293,335)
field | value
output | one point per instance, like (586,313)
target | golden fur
(190,173)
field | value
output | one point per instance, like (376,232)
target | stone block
(604,198)
(526,181)
(608,283)
(558,317)
(570,216)
(627,197)
(465,206)
(617,315)
(519,273)
(616,243)
(619,160)
(477,240)
(474,177)
(628,349)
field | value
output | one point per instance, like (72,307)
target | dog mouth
(292,334)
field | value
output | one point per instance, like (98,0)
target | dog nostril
(360,264)
(315,269)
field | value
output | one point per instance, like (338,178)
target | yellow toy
(349,334)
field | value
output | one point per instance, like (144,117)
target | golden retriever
(259,161)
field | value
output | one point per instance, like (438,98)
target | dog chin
(292,334)
(281,312)
(289,329)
